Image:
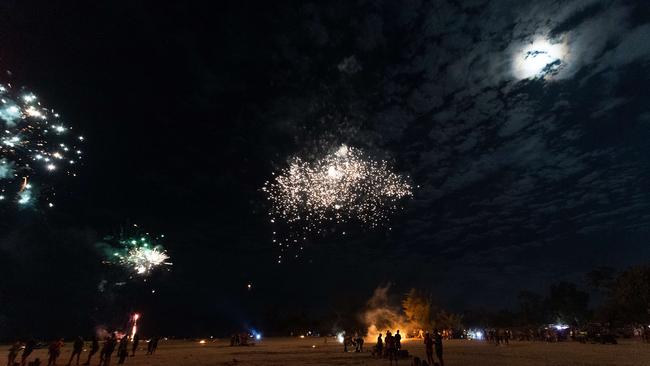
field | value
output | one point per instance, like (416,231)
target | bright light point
(202,341)
(258,336)
(539,59)
(81,138)
(332,172)
(51,167)
(339,338)
(2,197)
(33,112)
(50,204)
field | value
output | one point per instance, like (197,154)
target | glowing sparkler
(343,186)
(134,328)
(33,146)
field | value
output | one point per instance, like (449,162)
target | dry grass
(285,351)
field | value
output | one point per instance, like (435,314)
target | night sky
(187,109)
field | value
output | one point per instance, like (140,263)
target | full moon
(538,59)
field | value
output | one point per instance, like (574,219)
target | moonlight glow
(539,59)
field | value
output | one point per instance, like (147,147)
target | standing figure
(13,353)
(391,352)
(136,342)
(437,342)
(123,350)
(93,349)
(398,340)
(29,348)
(77,348)
(54,351)
(428,347)
(380,346)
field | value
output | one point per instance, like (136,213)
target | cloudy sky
(522,124)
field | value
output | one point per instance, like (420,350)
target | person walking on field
(77,348)
(136,342)
(54,351)
(428,347)
(123,351)
(30,345)
(107,351)
(93,349)
(437,342)
(13,353)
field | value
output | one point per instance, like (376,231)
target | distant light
(560,326)
(302,336)
(202,341)
(339,337)
(258,336)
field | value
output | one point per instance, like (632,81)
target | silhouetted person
(391,352)
(380,346)
(77,348)
(437,342)
(360,344)
(398,340)
(13,353)
(54,351)
(123,350)
(107,351)
(29,348)
(155,344)
(94,347)
(136,342)
(428,347)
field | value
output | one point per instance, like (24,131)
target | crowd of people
(390,347)
(109,345)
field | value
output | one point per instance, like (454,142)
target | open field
(314,351)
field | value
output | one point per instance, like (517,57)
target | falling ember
(31,141)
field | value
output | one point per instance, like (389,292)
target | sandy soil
(313,351)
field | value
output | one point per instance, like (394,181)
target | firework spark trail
(341,187)
(34,145)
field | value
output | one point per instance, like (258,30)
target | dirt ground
(314,351)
